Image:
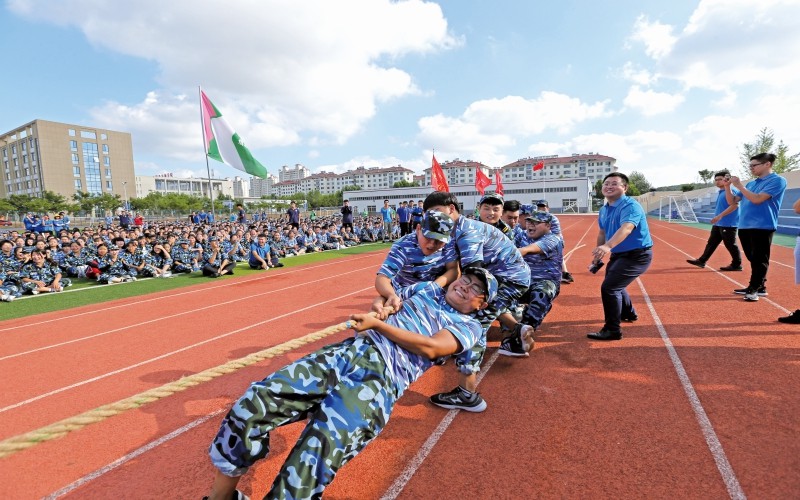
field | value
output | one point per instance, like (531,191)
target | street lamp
(125,190)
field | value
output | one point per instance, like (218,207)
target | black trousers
(725,235)
(756,244)
(623,268)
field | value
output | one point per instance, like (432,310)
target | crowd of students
(48,257)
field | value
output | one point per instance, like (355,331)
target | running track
(700,400)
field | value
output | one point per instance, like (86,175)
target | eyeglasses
(473,286)
(612,184)
(757,164)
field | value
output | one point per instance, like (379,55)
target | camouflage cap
(488,280)
(542,203)
(437,226)
(491,199)
(540,217)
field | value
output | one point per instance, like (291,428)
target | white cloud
(488,128)
(656,37)
(650,102)
(287,71)
(638,75)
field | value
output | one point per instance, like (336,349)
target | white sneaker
(751,297)
(167,274)
(6,297)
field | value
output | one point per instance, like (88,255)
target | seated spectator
(183,259)
(160,259)
(215,261)
(40,276)
(260,253)
(112,269)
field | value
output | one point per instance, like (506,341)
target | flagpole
(205,153)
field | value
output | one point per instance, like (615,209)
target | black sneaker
(567,278)
(514,345)
(459,399)
(696,262)
(730,268)
(630,319)
(761,292)
(793,318)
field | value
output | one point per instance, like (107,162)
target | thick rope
(62,428)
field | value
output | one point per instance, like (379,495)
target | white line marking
(177,294)
(171,316)
(177,351)
(739,285)
(725,469)
(397,486)
(130,456)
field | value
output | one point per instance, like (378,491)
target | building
(594,166)
(261,187)
(64,158)
(329,182)
(568,195)
(165,184)
(240,187)
(295,173)
(459,172)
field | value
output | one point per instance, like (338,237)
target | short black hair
(440,199)
(620,175)
(722,173)
(764,157)
(511,206)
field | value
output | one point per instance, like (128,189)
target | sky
(666,88)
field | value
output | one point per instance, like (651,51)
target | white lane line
(130,456)
(397,486)
(712,441)
(724,275)
(177,351)
(83,314)
(706,239)
(171,316)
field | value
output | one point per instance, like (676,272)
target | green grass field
(85,292)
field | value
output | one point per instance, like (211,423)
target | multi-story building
(592,165)
(261,187)
(287,173)
(459,172)
(165,183)
(328,182)
(240,187)
(64,158)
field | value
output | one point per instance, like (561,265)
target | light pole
(125,190)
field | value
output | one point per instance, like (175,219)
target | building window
(75,158)
(106,161)
(78,185)
(108,186)
(105,149)
(103,137)
(71,132)
(73,145)
(91,168)
(76,171)
(108,173)
(5,152)
(85,134)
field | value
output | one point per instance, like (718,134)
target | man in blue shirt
(260,253)
(725,223)
(294,215)
(625,238)
(759,204)
(404,217)
(387,216)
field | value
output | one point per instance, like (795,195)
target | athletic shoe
(730,268)
(630,319)
(459,399)
(34,292)
(514,345)
(751,296)
(696,262)
(567,277)
(762,292)
(167,274)
(793,318)
(6,297)
(58,288)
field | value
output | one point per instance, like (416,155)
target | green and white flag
(225,145)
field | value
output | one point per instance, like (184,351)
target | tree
(598,189)
(404,183)
(638,180)
(705,175)
(687,187)
(765,143)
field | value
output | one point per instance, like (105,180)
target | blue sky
(667,88)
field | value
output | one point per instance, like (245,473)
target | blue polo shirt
(732,219)
(262,252)
(764,215)
(613,216)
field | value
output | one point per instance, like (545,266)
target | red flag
(481,180)
(438,180)
(538,166)
(498,182)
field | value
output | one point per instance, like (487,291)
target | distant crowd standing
(50,254)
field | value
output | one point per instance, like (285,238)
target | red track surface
(576,419)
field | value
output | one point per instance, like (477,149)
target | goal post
(676,209)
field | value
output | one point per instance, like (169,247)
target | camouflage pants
(508,294)
(345,392)
(29,286)
(539,299)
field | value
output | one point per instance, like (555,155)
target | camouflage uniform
(185,257)
(111,269)
(75,265)
(46,274)
(9,270)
